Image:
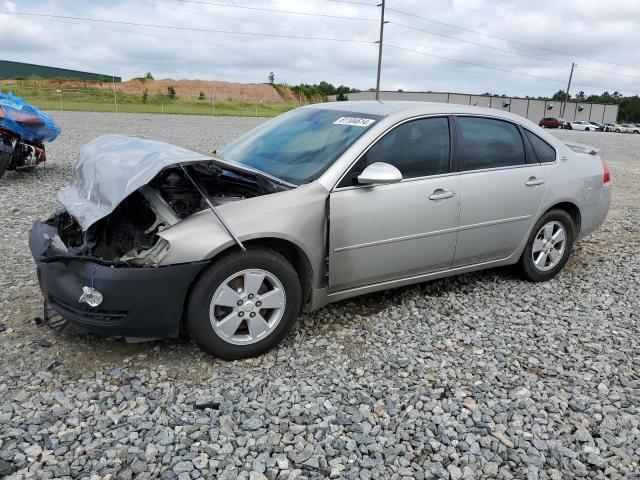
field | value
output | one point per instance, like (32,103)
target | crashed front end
(99,259)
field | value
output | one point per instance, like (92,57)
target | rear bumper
(138,301)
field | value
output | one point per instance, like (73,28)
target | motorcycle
(23,131)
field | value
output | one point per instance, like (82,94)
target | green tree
(271,77)
(559,96)
(149,76)
(145,96)
(172,92)
(201,96)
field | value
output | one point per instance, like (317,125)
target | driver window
(418,148)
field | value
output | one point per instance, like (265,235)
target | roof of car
(384,107)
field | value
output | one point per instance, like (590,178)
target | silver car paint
(365,253)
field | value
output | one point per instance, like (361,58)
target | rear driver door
(503,186)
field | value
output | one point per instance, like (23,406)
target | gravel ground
(476,376)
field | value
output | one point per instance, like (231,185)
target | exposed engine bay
(128,235)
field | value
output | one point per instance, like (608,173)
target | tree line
(628,107)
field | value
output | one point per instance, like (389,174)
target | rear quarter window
(545,152)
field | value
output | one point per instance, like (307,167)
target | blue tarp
(22,118)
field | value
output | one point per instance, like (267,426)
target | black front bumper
(143,302)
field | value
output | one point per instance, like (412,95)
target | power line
(216,44)
(504,70)
(174,27)
(477,44)
(493,36)
(508,51)
(472,63)
(289,12)
(470,30)
(199,12)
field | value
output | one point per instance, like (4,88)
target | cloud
(588,31)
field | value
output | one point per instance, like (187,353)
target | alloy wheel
(549,246)
(247,307)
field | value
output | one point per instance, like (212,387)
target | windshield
(300,145)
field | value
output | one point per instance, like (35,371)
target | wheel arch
(288,249)
(574,212)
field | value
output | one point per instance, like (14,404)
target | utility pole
(382,22)
(566,95)
(115,95)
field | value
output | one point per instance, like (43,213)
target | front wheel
(244,304)
(548,247)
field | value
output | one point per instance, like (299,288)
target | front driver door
(386,232)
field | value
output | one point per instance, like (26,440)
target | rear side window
(418,148)
(545,152)
(489,143)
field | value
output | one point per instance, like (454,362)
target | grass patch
(103,101)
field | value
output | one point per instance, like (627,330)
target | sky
(510,47)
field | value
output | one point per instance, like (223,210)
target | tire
(617,130)
(587,129)
(548,267)
(250,330)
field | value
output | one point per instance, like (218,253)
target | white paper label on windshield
(354,121)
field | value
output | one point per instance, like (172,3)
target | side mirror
(379,173)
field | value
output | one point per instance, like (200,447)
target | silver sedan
(320,204)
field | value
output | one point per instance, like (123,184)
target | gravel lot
(476,376)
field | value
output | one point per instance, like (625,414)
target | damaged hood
(112,167)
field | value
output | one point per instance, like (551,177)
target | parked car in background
(631,128)
(582,125)
(551,122)
(616,127)
(320,204)
(599,126)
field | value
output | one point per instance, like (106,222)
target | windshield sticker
(354,121)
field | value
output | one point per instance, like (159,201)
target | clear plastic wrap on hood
(112,167)
(24,119)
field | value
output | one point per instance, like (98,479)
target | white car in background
(617,128)
(583,125)
(631,128)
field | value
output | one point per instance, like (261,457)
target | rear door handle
(533,181)
(440,194)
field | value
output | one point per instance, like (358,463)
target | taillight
(606,176)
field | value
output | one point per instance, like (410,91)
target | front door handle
(533,181)
(440,194)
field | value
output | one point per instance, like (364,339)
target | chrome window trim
(336,188)
(382,134)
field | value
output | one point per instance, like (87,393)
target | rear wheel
(244,304)
(548,247)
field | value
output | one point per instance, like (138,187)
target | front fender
(297,216)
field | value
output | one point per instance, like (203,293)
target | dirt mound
(192,88)
(183,88)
